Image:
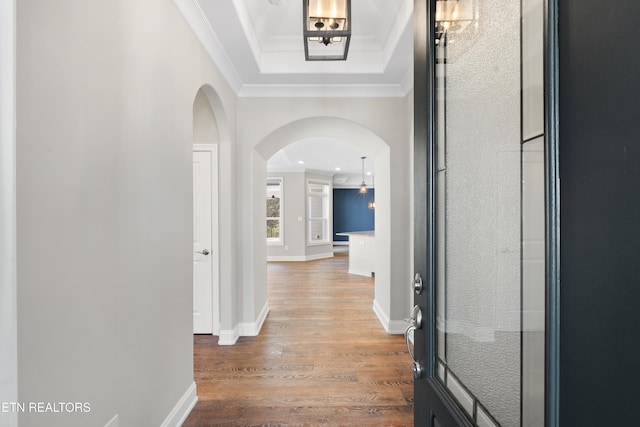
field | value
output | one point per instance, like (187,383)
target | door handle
(203,252)
(417,368)
(415,323)
(416,317)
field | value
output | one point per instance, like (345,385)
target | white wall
(380,124)
(8,313)
(293,207)
(105,96)
(294,247)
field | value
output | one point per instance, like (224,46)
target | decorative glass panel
(490,235)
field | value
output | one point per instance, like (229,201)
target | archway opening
(366,143)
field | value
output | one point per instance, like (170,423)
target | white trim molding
(391,326)
(301,258)
(193,15)
(382,316)
(8,248)
(183,408)
(229,336)
(252,329)
(397,327)
(244,329)
(326,90)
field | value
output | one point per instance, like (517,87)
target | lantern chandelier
(327,29)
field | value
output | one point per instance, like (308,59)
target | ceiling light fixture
(363,186)
(327,29)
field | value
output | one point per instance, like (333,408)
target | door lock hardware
(416,317)
(203,252)
(415,323)
(417,368)
(417,283)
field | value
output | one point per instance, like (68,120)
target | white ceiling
(329,156)
(258,46)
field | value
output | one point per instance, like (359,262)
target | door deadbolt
(417,284)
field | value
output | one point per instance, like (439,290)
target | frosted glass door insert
(490,240)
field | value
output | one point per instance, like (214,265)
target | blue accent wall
(351,211)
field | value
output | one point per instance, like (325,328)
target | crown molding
(324,91)
(195,18)
(197,21)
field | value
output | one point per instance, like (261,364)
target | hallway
(322,358)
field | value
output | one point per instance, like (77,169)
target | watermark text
(45,407)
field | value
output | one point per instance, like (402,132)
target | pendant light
(326,29)
(363,186)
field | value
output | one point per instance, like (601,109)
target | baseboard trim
(183,408)
(228,336)
(397,327)
(244,329)
(361,273)
(391,326)
(382,316)
(301,258)
(252,329)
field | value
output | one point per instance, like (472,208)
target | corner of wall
(183,408)
(252,329)
(229,336)
(383,316)
(244,329)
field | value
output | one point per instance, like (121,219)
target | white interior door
(203,249)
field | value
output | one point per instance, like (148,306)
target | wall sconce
(327,29)
(372,202)
(452,16)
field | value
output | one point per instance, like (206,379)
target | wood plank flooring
(321,359)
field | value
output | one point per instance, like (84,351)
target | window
(274,211)
(318,212)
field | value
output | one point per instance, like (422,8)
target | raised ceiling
(258,46)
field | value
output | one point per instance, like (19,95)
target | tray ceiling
(258,46)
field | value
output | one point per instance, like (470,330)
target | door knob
(203,252)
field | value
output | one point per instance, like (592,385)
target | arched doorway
(212,136)
(379,152)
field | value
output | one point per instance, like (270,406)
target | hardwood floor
(321,359)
